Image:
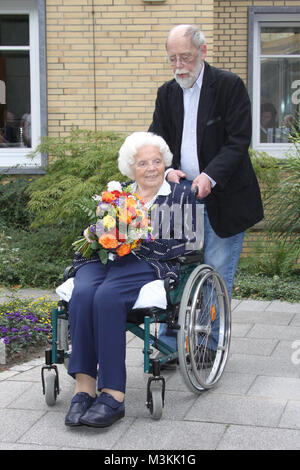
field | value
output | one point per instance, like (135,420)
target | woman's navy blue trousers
(100,302)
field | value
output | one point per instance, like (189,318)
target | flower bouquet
(121,223)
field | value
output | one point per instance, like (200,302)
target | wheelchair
(198,308)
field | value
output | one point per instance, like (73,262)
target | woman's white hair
(131,146)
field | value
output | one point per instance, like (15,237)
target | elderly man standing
(204,114)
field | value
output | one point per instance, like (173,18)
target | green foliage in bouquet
(80,165)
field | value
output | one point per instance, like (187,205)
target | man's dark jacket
(223,139)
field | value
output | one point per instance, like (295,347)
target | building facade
(96,64)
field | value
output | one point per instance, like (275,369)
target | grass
(263,287)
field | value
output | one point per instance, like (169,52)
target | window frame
(15,160)
(257,17)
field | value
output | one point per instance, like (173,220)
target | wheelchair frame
(192,307)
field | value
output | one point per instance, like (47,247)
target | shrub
(81,165)
(37,258)
(9,259)
(13,204)
(285,201)
(248,285)
(267,170)
(272,257)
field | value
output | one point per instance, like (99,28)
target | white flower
(96,197)
(114,186)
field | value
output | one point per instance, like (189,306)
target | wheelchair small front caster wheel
(50,383)
(50,389)
(156,403)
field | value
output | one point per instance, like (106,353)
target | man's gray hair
(131,146)
(193,31)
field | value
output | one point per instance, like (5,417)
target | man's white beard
(186,82)
(189,81)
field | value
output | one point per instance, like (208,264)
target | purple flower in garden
(31,317)
(6,340)
(14,330)
(3,329)
(25,328)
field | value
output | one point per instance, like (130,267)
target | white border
(266,19)
(19,156)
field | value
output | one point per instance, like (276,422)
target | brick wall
(231,32)
(106,59)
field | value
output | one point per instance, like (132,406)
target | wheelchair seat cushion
(152,294)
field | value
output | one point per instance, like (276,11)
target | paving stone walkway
(256,404)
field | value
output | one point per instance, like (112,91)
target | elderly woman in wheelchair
(102,304)
(104,294)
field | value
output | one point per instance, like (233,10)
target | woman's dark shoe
(79,405)
(104,412)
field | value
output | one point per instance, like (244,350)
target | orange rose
(108,196)
(108,240)
(123,250)
(132,211)
(131,202)
(125,217)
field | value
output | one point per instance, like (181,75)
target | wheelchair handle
(195,191)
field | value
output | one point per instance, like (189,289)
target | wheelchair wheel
(50,389)
(156,403)
(205,327)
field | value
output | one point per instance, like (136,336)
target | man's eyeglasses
(182,58)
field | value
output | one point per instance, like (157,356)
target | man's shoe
(104,412)
(79,405)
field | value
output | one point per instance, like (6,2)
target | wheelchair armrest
(191,258)
(169,284)
(68,272)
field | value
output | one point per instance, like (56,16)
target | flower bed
(24,324)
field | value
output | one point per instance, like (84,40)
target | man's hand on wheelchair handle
(202,182)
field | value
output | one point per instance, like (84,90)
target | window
(275,77)
(21,103)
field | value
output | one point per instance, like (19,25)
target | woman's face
(148,168)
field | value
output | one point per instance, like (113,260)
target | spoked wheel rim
(205,326)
